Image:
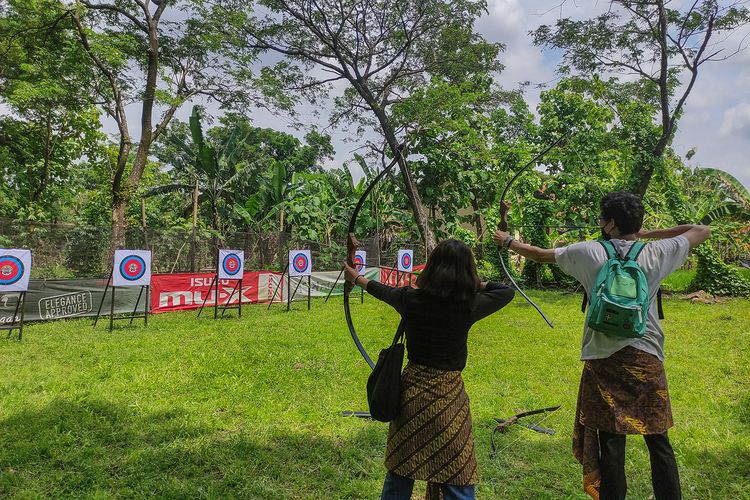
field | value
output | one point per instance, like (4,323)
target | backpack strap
(585,302)
(609,248)
(635,250)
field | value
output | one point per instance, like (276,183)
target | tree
(53,123)
(657,45)
(382,50)
(156,55)
(241,171)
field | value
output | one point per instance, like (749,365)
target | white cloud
(737,121)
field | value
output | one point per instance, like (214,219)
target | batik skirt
(625,393)
(431,439)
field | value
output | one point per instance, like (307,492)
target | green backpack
(619,299)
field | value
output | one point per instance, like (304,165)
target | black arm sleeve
(395,297)
(493,298)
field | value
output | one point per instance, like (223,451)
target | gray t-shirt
(658,259)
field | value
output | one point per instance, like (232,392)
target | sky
(716,122)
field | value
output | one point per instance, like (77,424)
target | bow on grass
(504,424)
(351,249)
(505,207)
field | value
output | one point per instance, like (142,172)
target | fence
(74,251)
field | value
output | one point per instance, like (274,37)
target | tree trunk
(420,214)
(123,194)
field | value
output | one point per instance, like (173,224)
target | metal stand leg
(210,287)
(112,310)
(147,306)
(334,285)
(23,314)
(309,285)
(216,297)
(104,295)
(135,309)
(281,281)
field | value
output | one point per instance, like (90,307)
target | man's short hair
(626,209)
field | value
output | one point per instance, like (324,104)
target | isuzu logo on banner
(188,291)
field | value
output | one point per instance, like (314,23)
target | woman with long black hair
(431,439)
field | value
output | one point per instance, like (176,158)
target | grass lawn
(249,408)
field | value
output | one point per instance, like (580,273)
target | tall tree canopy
(382,50)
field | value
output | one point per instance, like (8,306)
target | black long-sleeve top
(437,329)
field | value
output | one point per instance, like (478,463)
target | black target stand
(237,288)
(333,287)
(17,321)
(131,316)
(289,294)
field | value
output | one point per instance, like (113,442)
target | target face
(405,260)
(231,264)
(299,263)
(15,269)
(360,258)
(11,270)
(132,268)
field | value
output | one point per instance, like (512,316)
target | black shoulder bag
(384,383)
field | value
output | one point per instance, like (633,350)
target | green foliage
(716,277)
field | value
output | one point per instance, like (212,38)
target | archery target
(300,263)
(15,270)
(132,268)
(231,264)
(405,260)
(360,261)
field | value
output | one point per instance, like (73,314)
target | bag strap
(400,331)
(659,307)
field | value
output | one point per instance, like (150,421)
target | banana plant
(217,168)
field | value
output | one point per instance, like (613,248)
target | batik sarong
(431,439)
(625,393)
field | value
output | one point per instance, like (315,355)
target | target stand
(360,262)
(131,268)
(127,316)
(231,264)
(15,273)
(225,307)
(289,294)
(333,287)
(17,321)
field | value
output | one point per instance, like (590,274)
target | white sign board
(405,261)
(360,261)
(132,268)
(300,263)
(15,270)
(231,264)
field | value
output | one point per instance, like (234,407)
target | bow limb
(503,226)
(351,248)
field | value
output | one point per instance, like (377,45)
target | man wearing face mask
(623,387)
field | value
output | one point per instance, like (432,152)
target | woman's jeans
(399,488)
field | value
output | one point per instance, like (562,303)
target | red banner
(393,277)
(173,292)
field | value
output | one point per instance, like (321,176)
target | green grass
(249,408)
